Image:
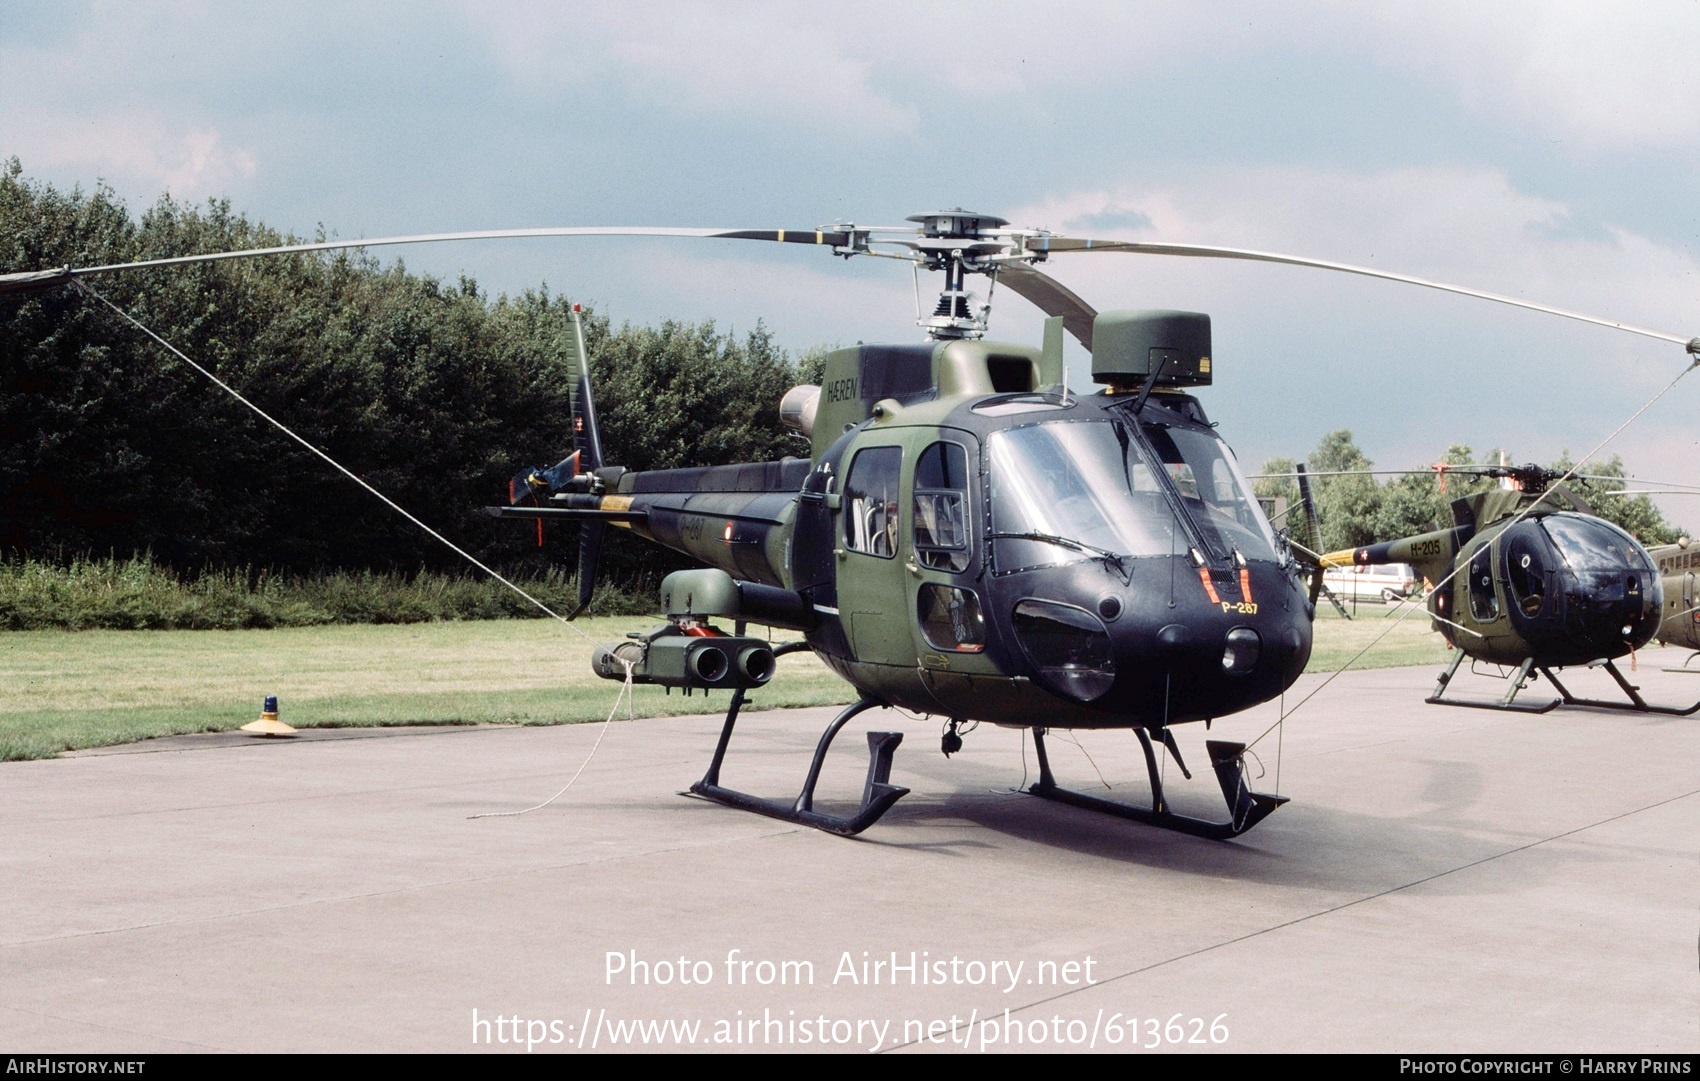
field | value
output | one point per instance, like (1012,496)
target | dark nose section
(1611,612)
(1212,670)
(1582,588)
(1132,654)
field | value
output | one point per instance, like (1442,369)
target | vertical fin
(1313,526)
(589,554)
(587,439)
(1051,371)
(587,446)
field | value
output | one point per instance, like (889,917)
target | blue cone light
(268,724)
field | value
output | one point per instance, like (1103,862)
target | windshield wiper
(1111,559)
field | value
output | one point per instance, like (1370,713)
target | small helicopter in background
(1679,569)
(1679,574)
(971,539)
(1528,578)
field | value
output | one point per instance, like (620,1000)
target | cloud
(763,62)
(803,296)
(1302,351)
(136,151)
(1609,76)
(1602,77)
(1112,221)
(1464,224)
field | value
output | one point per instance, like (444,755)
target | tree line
(1358,509)
(433,391)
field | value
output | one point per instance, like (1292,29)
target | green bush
(83,593)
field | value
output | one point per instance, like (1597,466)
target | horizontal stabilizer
(571,514)
(538,482)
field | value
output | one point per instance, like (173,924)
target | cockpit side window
(941,519)
(1526,568)
(951,618)
(1484,602)
(870,504)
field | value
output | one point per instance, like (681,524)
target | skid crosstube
(1636,703)
(878,794)
(1246,808)
(1525,673)
(1505,704)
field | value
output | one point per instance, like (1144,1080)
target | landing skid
(1525,673)
(878,794)
(1685,670)
(1246,808)
(1504,705)
(1636,703)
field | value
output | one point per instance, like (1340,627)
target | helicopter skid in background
(1636,703)
(1525,673)
(878,794)
(1246,808)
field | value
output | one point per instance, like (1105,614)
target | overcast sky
(1544,150)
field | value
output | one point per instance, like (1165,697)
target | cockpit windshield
(1213,491)
(1082,482)
(1592,544)
(1093,484)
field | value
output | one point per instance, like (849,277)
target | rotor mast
(958,242)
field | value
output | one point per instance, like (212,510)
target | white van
(1387,582)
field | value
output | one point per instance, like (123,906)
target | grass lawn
(1391,641)
(64,690)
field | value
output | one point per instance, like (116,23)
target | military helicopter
(1678,569)
(1529,579)
(1679,574)
(1131,579)
(968,538)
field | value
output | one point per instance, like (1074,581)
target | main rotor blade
(1048,294)
(1346,473)
(1051,297)
(1647,491)
(1056,244)
(1492,471)
(38,279)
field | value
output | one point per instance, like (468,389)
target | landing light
(1069,647)
(1240,654)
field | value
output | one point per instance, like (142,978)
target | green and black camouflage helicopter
(1529,579)
(968,538)
(1679,571)
(1679,575)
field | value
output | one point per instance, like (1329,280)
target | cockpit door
(870,547)
(945,550)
